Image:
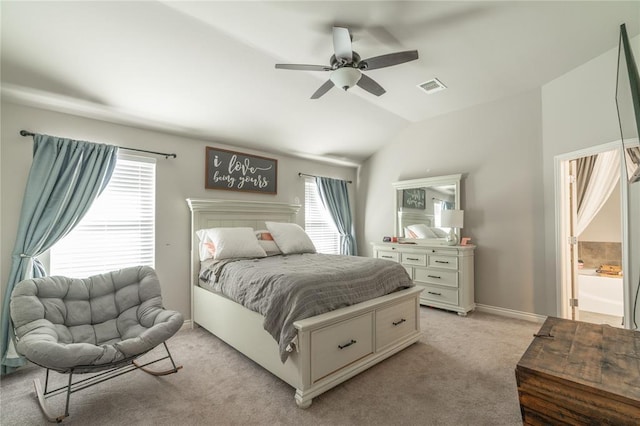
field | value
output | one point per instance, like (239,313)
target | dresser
(445,273)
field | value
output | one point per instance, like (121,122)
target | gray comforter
(288,288)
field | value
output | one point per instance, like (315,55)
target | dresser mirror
(418,207)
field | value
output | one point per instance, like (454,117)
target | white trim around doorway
(562,287)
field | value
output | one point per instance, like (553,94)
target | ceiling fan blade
(301,67)
(323,89)
(369,84)
(388,60)
(342,44)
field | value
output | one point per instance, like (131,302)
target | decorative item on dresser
(445,273)
(453,219)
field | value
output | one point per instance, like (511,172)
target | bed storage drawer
(440,294)
(395,322)
(340,344)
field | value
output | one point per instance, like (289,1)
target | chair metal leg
(92,380)
(163,372)
(66,407)
(44,405)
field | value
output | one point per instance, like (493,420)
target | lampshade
(345,77)
(452,218)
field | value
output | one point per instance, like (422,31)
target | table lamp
(452,219)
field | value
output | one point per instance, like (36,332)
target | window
(118,230)
(317,222)
(437,213)
(438,207)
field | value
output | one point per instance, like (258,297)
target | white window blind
(317,222)
(437,213)
(118,230)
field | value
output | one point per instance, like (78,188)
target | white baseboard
(510,313)
(186,325)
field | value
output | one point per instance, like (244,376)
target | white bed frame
(383,326)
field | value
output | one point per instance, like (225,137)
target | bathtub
(600,294)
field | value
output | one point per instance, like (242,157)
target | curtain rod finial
(25,133)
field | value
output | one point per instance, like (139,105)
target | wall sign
(235,171)
(414,198)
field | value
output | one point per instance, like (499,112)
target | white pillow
(440,233)
(232,242)
(421,230)
(290,237)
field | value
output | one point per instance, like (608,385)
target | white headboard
(232,213)
(406,218)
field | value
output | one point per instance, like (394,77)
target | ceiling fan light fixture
(345,77)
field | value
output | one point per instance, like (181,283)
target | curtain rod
(27,133)
(314,176)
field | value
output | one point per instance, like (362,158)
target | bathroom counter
(593,273)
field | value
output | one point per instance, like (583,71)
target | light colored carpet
(460,373)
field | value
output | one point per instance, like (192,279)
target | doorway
(589,224)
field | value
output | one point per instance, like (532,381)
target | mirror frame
(419,183)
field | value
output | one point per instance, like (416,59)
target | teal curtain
(65,178)
(335,198)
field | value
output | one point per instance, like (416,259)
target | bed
(325,353)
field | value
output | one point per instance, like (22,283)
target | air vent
(432,86)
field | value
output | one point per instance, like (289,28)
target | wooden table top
(597,356)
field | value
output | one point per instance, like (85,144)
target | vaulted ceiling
(206,69)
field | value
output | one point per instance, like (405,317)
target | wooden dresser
(578,373)
(445,273)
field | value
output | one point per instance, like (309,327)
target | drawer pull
(399,322)
(346,345)
(413,258)
(433,292)
(386,257)
(442,261)
(434,276)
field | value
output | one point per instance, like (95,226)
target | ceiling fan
(346,66)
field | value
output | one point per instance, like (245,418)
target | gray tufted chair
(100,323)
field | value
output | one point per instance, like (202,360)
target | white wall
(506,149)
(177,179)
(497,147)
(578,112)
